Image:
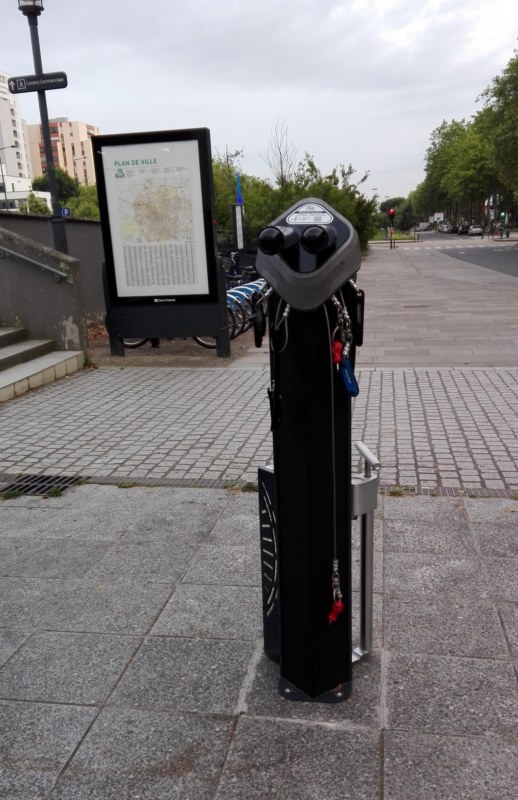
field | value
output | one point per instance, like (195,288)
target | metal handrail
(33,261)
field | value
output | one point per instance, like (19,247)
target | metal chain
(344,326)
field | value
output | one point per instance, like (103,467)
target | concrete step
(11,335)
(38,372)
(22,351)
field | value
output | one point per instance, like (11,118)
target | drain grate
(40,484)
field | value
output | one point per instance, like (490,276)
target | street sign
(38,83)
(65,212)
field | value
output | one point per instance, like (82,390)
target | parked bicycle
(246,304)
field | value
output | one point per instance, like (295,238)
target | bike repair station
(310,257)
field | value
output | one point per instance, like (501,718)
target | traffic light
(502,215)
(391,214)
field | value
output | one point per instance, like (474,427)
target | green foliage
(406,216)
(68,187)
(34,205)
(474,165)
(392,202)
(501,114)
(86,204)
(264,202)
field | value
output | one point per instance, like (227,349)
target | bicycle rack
(364,488)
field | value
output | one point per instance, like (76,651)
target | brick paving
(438,375)
(433,429)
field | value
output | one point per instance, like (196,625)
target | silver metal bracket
(364,502)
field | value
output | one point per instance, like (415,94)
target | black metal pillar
(57,222)
(312,444)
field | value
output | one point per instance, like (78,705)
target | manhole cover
(39,484)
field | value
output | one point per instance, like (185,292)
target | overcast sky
(354,81)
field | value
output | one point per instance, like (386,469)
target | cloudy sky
(353,81)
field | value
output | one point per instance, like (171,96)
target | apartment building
(71,148)
(13,153)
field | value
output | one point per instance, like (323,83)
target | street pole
(57,222)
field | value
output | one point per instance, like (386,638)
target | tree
(281,154)
(67,186)
(501,99)
(34,205)
(392,202)
(86,204)
(263,202)
(225,167)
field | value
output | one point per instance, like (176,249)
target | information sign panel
(155,199)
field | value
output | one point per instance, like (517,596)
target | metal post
(311,445)
(57,222)
(366,561)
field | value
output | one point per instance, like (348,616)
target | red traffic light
(391,213)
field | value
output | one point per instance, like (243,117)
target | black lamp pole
(32,9)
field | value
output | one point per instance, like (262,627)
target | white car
(475,230)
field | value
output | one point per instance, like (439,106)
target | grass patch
(11,495)
(237,486)
(379,236)
(54,491)
(400,491)
(126,484)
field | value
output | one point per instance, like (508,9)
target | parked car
(463,229)
(475,230)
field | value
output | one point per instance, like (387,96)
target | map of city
(155,211)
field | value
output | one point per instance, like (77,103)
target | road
(501,256)
(427,304)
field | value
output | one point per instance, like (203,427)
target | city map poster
(156,202)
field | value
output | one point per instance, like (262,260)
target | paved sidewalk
(131,659)
(434,429)
(131,643)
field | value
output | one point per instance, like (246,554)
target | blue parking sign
(65,212)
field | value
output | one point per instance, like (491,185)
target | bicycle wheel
(239,320)
(210,341)
(243,300)
(132,343)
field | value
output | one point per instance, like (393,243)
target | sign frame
(155,164)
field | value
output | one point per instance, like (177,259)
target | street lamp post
(79,158)
(7,147)
(32,9)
